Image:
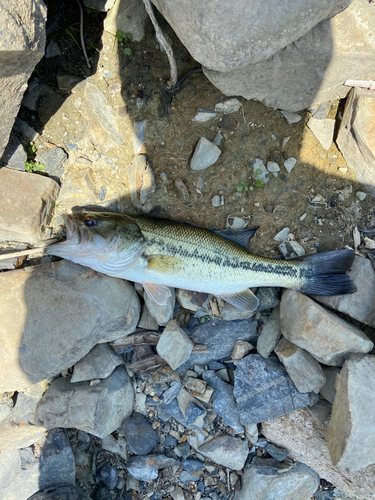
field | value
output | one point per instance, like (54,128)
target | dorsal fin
(240,236)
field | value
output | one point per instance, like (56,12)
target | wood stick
(367,84)
(21,253)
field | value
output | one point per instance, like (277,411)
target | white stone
(282,235)
(289,164)
(323,130)
(229,106)
(361,195)
(291,117)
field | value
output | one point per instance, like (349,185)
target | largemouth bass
(159,254)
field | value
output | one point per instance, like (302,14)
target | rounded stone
(141,437)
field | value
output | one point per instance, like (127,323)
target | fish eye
(90,222)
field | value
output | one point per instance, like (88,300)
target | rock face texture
(356,136)
(313,68)
(22,41)
(73,308)
(224,36)
(351,433)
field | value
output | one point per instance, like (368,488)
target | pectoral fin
(244,300)
(158,293)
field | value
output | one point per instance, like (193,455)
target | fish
(160,254)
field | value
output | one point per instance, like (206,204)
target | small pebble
(361,195)
(303,217)
(289,164)
(216,201)
(282,235)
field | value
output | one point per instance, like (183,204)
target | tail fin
(327,273)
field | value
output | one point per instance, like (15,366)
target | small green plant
(242,186)
(203,319)
(258,181)
(68,32)
(122,39)
(31,165)
(92,12)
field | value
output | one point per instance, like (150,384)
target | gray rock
(22,47)
(229,36)
(270,334)
(194,414)
(98,409)
(174,410)
(263,390)
(361,195)
(328,390)
(268,298)
(182,450)
(241,348)
(146,321)
(56,461)
(98,363)
(140,436)
(22,128)
(80,309)
(78,189)
(139,137)
(216,202)
(145,468)
(291,249)
(26,211)
(170,394)
(52,50)
(162,314)
(288,79)
(324,335)
(273,167)
(289,164)
(229,106)
(19,474)
(298,483)
(60,493)
(282,235)
(323,130)
(306,441)
(108,475)
(6,405)
(360,304)
(320,411)
(14,155)
(321,112)
(192,465)
(194,301)
(114,445)
(276,452)
(291,117)
(219,336)
(305,372)
(222,449)
(205,154)
(224,403)
(232,313)
(260,171)
(128,17)
(53,160)
(36,90)
(203,115)
(174,345)
(355,135)
(101,6)
(350,436)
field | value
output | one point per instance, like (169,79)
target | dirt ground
(135,89)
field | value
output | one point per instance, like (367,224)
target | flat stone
(114,445)
(219,336)
(140,436)
(324,335)
(161,313)
(78,189)
(194,301)
(145,468)
(241,348)
(53,160)
(19,474)
(270,334)
(291,250)
(358,305)
(146,321)
(224,450)
(98,409)
(108,475)
(320,411)
(234,222)
(205,154)
(305,372)
(230,106)
(282,235)
(52,50)
(80,309)
(306,441)
(328,390)
(174,345)
(276,452)
(263,390)
(323,130)
(192,465)
(141,180)
(268,298)
(224,403)
(355,136)
(289,164)
(25,211)
(14,155)
(98,363)
(203,115)
(350,434)
(174,410)
(21,50)
(13,436)
(299,482)
(273,167)
(170,394)
(56,461)
(291,117)
(60,493)
(361,195)
(216,201)
(232,313)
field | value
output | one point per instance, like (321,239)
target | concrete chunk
(25,211)
(324,335)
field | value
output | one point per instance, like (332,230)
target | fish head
(97,236)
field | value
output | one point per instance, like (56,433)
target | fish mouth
(77,240)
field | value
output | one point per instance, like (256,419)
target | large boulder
(54,314)
(312,69)
(224,35)
(22,42)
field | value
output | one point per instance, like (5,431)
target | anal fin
(158,293)
(244,300)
